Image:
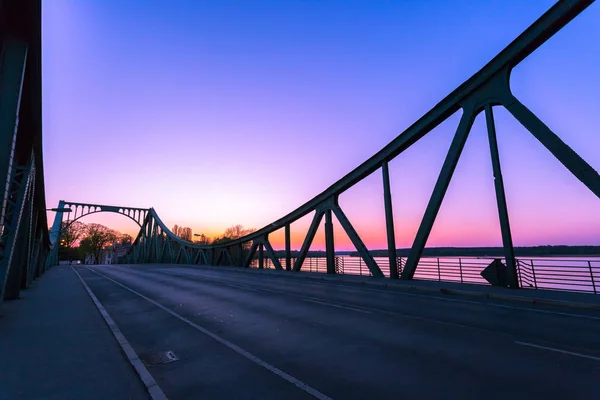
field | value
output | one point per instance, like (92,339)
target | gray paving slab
(54,344)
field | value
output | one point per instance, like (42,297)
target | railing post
(439,272)
(533,273)
(592,276)
(360,265)
(460,269)
(518,266)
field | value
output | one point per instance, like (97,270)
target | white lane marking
(337,306)
(154,390)
(227,343)
(571,353)
(391,290)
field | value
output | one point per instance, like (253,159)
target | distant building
(109,254)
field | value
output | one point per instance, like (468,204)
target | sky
(223,112)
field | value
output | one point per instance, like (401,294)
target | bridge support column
(389,221)
(288,252)
(329,243)
(507,242)
(261,256)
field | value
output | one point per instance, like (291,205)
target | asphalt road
(249,336)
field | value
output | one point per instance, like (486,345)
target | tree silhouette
(97,236)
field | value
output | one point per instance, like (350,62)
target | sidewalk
(559,298)
(54,344)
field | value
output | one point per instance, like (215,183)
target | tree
(236,232)
(183,232)
(126,239)
(96,237)
(72,232)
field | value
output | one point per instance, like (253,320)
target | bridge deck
(257,335)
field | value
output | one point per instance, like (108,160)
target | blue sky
(225,112)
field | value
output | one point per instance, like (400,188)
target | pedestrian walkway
(54,344)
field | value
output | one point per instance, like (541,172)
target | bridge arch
(80,210)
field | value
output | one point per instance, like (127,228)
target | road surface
(256,336)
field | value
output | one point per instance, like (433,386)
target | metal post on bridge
(288,252)
(329,244)
(389,221)
(261,256)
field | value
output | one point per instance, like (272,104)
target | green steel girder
(487,88)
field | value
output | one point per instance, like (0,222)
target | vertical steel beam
(389,221)
(509,253)
(329,243)
(240,252)
(288,245)
(456,147)
(569,158)
(358,243)
(310,235)
(261,256)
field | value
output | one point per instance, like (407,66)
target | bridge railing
(553,273)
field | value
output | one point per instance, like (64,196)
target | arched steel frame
(488,88)
(80,210)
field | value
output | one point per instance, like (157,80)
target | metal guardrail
(553,273)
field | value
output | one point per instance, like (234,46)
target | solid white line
(337,306)
(559,351)
(154,390)
(227,343)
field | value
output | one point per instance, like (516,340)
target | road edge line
(152,387)
(271,368)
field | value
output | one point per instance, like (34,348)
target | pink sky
(215,118)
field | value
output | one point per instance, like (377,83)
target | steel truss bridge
(27,248)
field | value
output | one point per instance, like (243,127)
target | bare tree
(125,238)
(97,236)
(236,232)
(183,232)
(186,234)
(71,233)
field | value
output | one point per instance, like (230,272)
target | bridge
(243,319)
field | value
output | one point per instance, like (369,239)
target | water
(580,274)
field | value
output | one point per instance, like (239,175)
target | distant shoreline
(525,251)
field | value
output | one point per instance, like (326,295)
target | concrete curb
(411,287)
(152,387)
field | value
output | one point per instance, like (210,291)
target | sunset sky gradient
(220,112)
